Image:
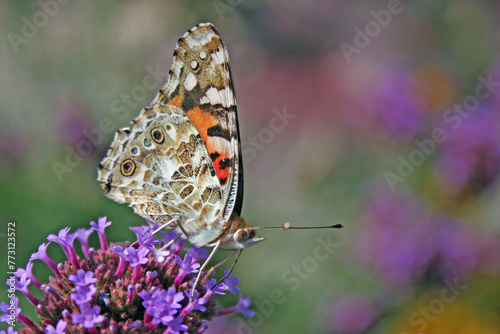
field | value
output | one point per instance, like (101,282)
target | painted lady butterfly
(180,164)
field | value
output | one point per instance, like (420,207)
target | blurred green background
(392,129)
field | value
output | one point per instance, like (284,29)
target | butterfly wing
(161,168)
(200,83)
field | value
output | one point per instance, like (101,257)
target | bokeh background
(381,115)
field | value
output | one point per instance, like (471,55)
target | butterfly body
(179,165)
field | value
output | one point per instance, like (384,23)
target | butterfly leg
(183,230)
(155,231)
(168,244)
(216,247)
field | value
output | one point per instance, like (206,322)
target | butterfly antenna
(231,270)
(288,226)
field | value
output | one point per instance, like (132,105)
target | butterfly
(180,163)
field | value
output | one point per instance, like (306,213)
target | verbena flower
(139,289)
(394,228)
(353,314)
(470,157)
(392,108)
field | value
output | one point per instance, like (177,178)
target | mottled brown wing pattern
(200,83)
(161,168)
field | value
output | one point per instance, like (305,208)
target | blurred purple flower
(10,330)
(353,314)
(71,122)
(471,153)
(394,237)
(14,145)
(457,250)
(402,240)
(393,106)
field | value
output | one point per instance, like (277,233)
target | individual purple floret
(89,316)
(101,224)
(82,235)
(59,329)
(231,282)
(83,278)
(83,294)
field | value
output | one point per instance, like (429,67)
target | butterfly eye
(251,234)
(240,236)
(157,136)
(128,167)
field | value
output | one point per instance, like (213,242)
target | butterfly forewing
(200,83)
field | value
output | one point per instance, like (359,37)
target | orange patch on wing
(176,101)
(202,122)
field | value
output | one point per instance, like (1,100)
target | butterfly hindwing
(200,83)
(168,176)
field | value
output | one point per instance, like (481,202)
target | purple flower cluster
(402,240)
(471,153)
(137,289)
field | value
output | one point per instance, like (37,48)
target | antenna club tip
(287,226)
(338,226)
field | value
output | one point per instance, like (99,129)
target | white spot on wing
(190,81)
(220,142)
(203,55)
(194,64)
(218,57)
(224,96)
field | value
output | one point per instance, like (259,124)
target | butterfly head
(238,235)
